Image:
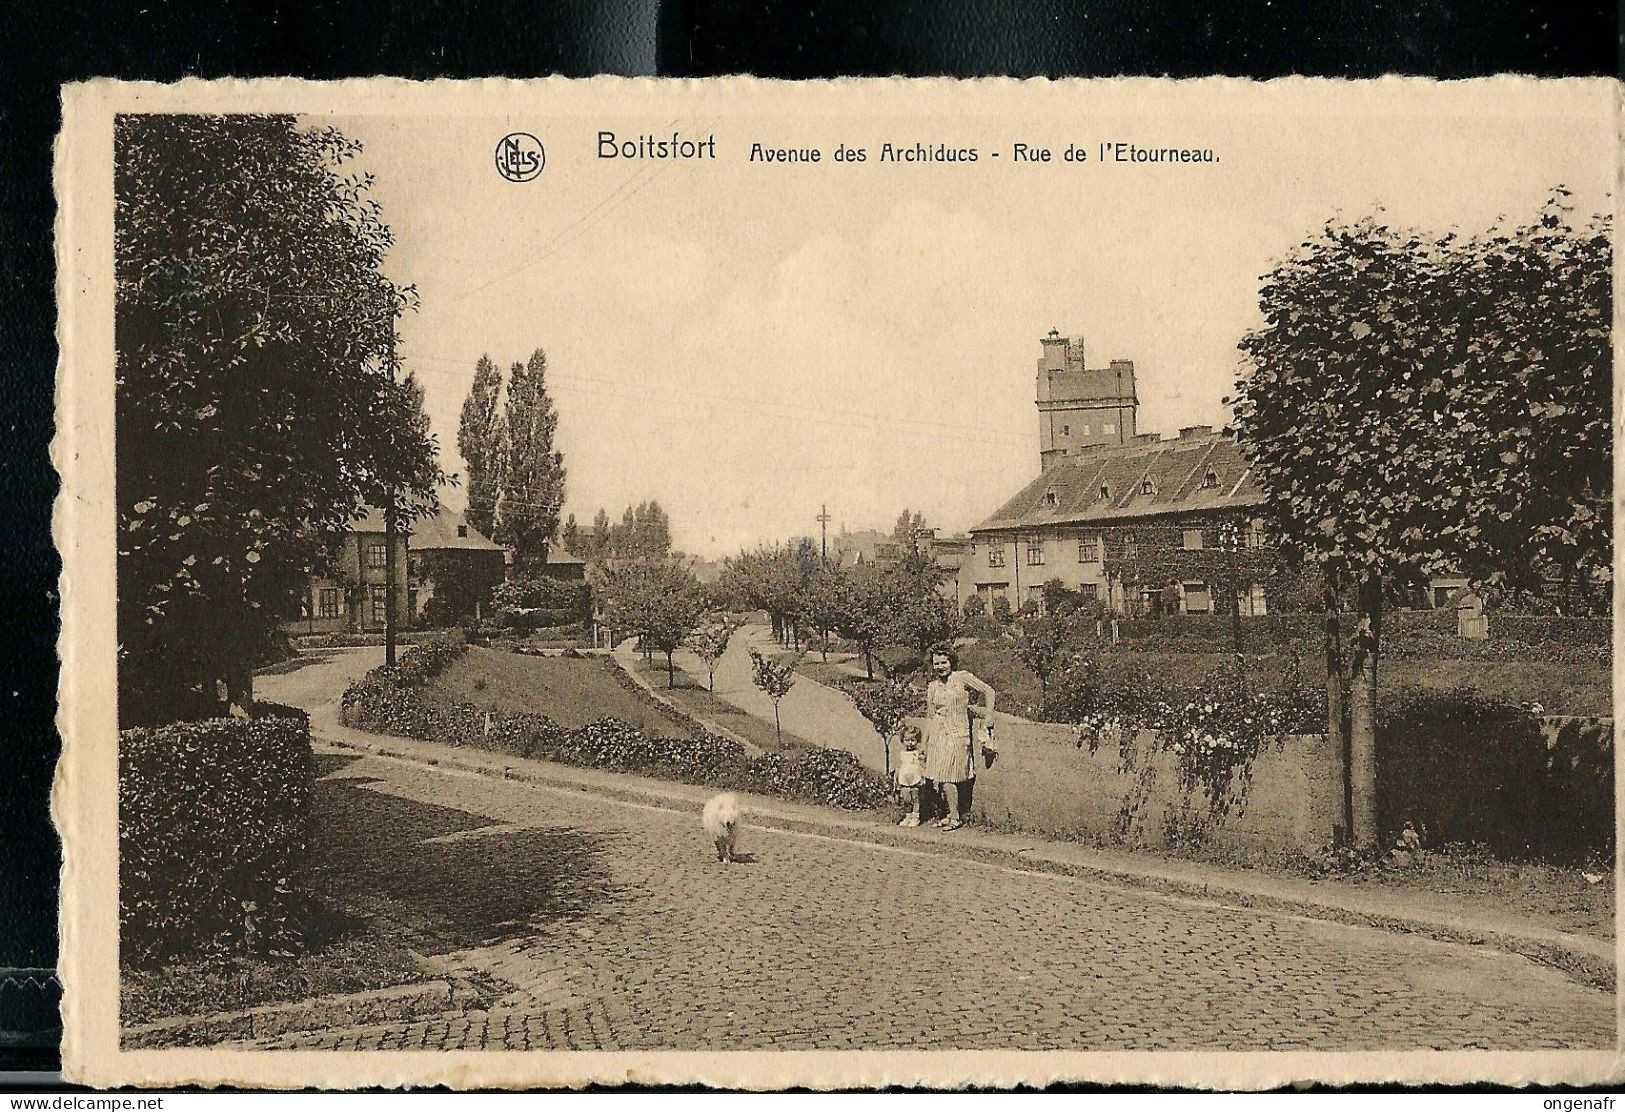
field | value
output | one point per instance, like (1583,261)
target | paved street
(645,942)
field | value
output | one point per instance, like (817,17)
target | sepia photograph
(997,581)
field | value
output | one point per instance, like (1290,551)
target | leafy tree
(823,601)
(887,705)
(570,536)
(910,526)
(1041,643)
(597,545)
(651,531)
(709,642)
(532,489)
(1419,404)
(258,407)
(920,615)
(865,614)
(479,440)
(658,600)
(769,578)
(775,681)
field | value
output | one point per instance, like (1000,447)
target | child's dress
(911,768)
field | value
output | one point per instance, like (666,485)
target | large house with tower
(1105,490)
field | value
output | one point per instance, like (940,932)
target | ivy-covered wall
(1044,781)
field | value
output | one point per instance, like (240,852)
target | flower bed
(393,700)
(214,820)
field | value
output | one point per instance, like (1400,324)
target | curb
(1586,960)
(271,1020)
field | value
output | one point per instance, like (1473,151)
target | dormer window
(1146,489)
(1210,479)
(1105,492)
(1049,498)
(462,530)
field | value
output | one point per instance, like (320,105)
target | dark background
(48,44)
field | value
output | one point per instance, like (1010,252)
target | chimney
(1056,349)
(1195,430)
(1148,438)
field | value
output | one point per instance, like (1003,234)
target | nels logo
(520,156)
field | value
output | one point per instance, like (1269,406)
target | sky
(746,343)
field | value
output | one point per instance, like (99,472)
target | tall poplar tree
(532,485)
(479,439)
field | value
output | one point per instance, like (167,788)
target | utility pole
(823,533)
(390,531)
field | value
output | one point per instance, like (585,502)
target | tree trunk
(778,731)
(389,578)
(868,662)
(1337,734)
(671,672)
(1362,714)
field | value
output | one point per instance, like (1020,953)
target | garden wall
(1045,782)
(214,820)
(1546,792)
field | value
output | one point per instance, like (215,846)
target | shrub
(392,700)
(214,822)
(1467,768)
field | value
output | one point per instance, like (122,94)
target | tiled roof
(439,531)
(1175,469)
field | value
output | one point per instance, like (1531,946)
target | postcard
(837,584)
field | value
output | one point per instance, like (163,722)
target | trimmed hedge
(1466,768)
(393,700)
(214,824)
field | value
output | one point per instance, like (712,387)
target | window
(1192,540)
(377,554)
(1089,590)
(1035,552)
(1088,550)
(1105,492)
(1197,599)
(380,603)
(995,555)
(1049,498)
(462,530)
(327,602)
(1210,479)
(1066,430)
(1129,547)
(1085,430)
(1146,488)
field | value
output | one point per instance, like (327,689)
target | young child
(911,774)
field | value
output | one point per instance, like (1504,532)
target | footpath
(1590,960)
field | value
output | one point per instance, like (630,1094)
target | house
(452,570)
(562,564)
(440,556)
(352,596)
(1106,495)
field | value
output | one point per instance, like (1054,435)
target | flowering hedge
(214,822)
(394,701)
(1215,728)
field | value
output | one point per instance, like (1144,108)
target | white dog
(722,820)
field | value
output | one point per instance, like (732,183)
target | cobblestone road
(819,943)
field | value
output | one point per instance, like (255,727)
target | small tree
(1040,644)
(887,705)
(658,600)
(709,642)
(775,680)
(822,599)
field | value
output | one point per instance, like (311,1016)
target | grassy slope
(571,692)
(698,701)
